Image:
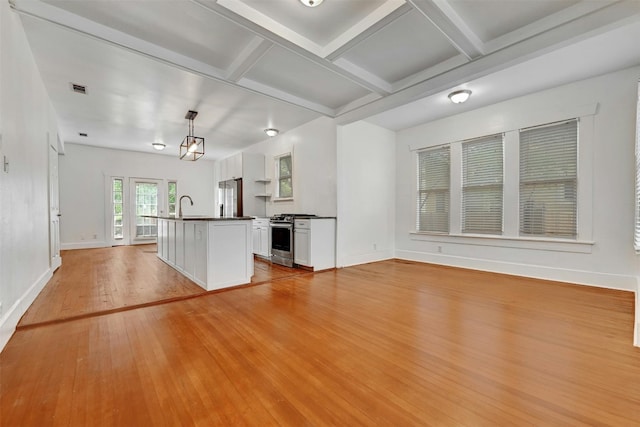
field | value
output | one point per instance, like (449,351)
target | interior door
(54,208)
(147,198)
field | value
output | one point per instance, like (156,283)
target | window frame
(446,192)
(279,178)
(437,135)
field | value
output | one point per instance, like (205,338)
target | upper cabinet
(231,167)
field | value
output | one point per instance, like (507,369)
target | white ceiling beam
(433,71)
(445,18)
(287,44)
(88,28)
(374,22)
(251,54)
(572,32)
(548,22)
(363,74)
(292,99)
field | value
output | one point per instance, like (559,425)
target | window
(482,171)
(172,193)
(284,174)
(433,190)
(117,197)
(146,202)
(548,180)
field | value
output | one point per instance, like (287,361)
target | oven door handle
(280,225)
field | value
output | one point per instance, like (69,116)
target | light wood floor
(391,343)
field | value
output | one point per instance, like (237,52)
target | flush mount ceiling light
(192,147)
(311,3)
(271,132)
(158,146)
(459,96)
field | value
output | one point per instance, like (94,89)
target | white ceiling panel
(319,24)
(133,100)
(407,46)
(246,65)
(286,71)
(178,25)
(490,19)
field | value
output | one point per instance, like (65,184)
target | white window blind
(482,178)
(636,234)
(548,179)
(432,213)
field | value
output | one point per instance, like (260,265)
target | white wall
(366,193)
(26,122)
(83,189)
(610,260)
(313,146)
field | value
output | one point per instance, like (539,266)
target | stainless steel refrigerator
(230,197)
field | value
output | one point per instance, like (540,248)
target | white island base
(215,253)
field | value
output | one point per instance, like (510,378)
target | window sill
(515,242)
(283,199)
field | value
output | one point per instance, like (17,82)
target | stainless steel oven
(282,235)
(282,241)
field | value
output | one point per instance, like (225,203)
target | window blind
(636,233)
(432,213)
(482,178)
(548,179)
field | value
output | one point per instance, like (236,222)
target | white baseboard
(83,245)
(365,258)
(10,320)
(581,277)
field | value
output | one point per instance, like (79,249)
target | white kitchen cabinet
(200,238)
(215,253)
(314,243)
(261,237)
(302,247)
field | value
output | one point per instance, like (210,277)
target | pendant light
(192,147)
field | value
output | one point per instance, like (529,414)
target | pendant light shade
(192,147)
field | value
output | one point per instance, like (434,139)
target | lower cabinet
(214,254)
(302,247)
(261,237)
(314,242)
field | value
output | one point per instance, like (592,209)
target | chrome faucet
(180,203)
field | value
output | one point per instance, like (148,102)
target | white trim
(10,320)
(84,245)
(580,277)
(500,241)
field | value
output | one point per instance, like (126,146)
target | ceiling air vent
(83,134)
(79,88)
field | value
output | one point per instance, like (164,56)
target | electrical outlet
(375,246)
(439,249)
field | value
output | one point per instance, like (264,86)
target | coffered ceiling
(247,65)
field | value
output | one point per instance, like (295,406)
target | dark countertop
(201,218)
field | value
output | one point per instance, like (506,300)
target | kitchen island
(215,253)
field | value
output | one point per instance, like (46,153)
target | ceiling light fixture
(311,3)
(271,132)
(158,146)
(192,147)
(459,96)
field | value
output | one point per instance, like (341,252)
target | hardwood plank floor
(389,343)
(97,281)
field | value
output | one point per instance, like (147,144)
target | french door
(147,198)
